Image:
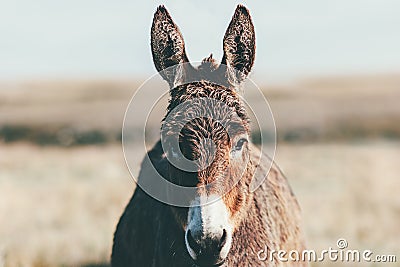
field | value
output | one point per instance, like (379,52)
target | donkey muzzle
(207,250)
(208,236)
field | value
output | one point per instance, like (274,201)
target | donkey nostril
(192,242)
(223,239)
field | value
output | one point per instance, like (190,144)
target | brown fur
(151,233)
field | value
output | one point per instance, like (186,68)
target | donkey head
(208,120)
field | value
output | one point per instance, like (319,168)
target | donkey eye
(239,144)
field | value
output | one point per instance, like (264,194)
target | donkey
(227,223)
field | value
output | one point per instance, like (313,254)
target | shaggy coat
(151,233)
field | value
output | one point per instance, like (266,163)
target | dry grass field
(63,180)
(59,207)
(91,112)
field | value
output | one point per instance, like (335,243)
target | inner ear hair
(239,46)
(167,46)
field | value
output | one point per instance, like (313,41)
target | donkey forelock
(206,118)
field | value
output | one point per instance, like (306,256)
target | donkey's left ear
(167,46)
(240,44)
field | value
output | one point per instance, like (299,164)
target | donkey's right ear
(167,46)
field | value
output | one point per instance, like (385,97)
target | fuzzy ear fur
(239,45)
(167,46)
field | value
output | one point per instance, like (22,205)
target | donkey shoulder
(134,238)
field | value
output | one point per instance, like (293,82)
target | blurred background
(330,70)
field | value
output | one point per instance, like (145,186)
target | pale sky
(110,39)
